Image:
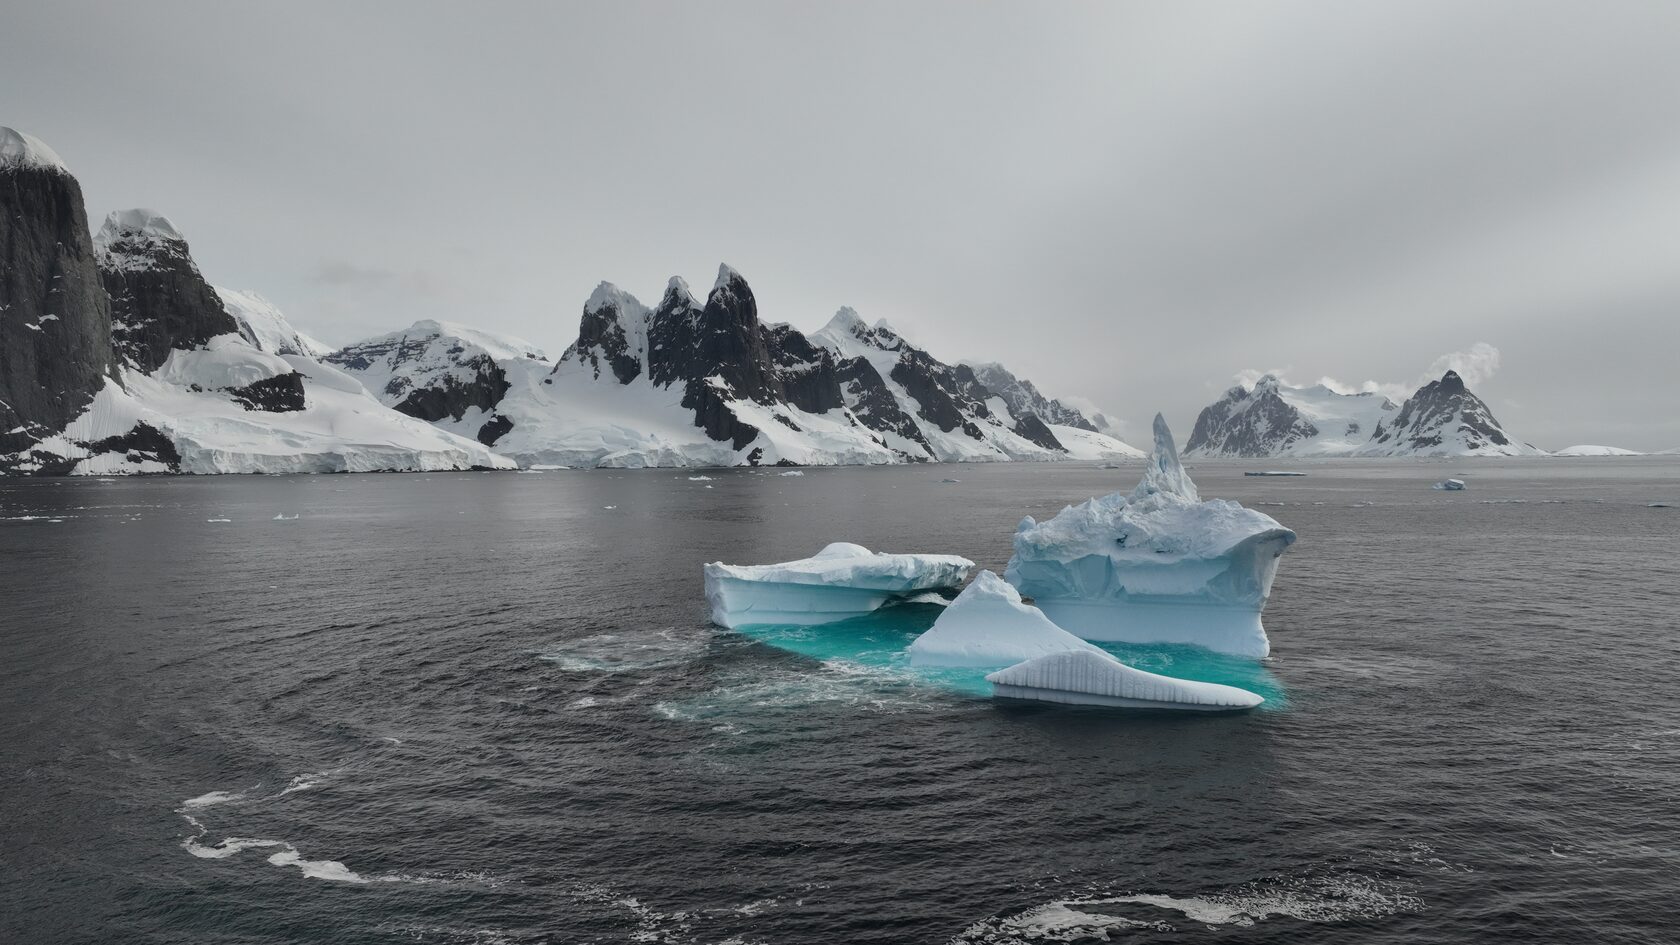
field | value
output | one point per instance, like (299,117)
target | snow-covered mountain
(691,383)
(265,327)
(952,414)
(445,373)
(174,383)
(1276,419)
(1444,419)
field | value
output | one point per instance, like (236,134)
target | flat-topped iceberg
(988,626)
(842,580)
(1086,677)
(1156,566)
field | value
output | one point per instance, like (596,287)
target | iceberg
(1156,566)
(988,626)
(1449,485)
(1084,677)
(842,580)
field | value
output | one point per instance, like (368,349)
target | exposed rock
(1444,419)
(159,301)
(277,394)
(55,322)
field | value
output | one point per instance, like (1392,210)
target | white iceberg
(1083,677)
(988,626)
(842,580)
(1157,566)
(1449,485)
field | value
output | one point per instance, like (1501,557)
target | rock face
(707,383)
(55,323)
(945,410)
(265,326)
(1023,398)
(159,301)
(446,374)
(1444,419)
(1276,419)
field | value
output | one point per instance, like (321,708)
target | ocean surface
(488,708)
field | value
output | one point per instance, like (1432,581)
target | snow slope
(1278,419)
(973,434)
(18,149)
(266,327)
(189,421)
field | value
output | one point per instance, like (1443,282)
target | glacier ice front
(1156,566)
(1084,677)
(842,580)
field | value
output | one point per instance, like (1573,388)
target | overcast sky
(1130,203)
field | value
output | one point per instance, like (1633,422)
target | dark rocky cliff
(55,323)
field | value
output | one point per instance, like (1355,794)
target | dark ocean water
(485,708)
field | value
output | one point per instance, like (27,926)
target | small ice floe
(214,520)
(950,480)
(283,517)
(792,472)
(1274,472)
(842,580)
(608,508)
(1081,677)
(699,478)
(1449,485)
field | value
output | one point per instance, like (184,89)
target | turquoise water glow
(878,640)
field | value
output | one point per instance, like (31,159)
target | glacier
(842,580)
(989,626)
(1083,677)
(1156,566)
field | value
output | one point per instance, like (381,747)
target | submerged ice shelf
(1156,566)
(840,581)
(1084,677)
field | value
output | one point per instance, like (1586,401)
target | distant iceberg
(1156,566)
(842,580)
(1083,677)
(1449,485)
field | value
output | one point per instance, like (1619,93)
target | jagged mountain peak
(25,151)
(1444,418)
(609,296)
(677,295)
(846,320)
(140,238)
(138,221)
(727,277)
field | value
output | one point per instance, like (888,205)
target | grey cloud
(1125,202)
